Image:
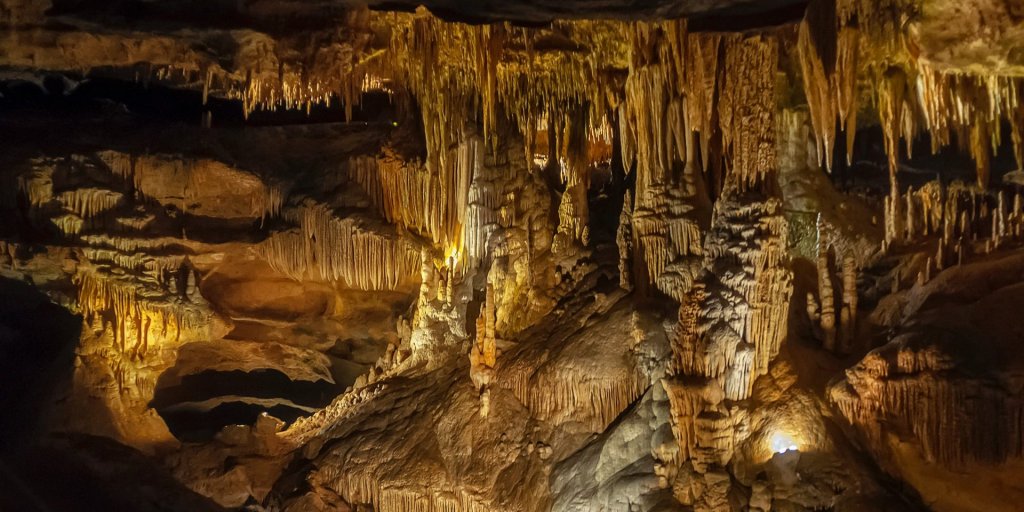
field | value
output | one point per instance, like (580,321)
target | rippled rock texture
(600,255)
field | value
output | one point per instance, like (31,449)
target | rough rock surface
(714,255)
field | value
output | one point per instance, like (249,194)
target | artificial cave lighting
(782,442)
(452,256)
(536,256)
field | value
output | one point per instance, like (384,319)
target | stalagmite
(889,226)
(624,241)
(727,354)
(910,219)
(573,211)
(1016,217)
(484,353)
(826,299)
(999,231)
(956,214)
(732,320)
(838,322)
(848,318)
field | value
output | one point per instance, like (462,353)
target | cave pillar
(733,320)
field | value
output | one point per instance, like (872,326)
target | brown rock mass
(528,255)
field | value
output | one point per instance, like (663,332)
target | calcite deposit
(521,255)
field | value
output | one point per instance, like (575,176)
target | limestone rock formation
(715,255)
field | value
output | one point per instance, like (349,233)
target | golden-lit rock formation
(334,250)
(318,256)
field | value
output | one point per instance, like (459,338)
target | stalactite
(37,184)
(269,203)
(69,224)
(702,75)
(746,110)
(573,211)
(128,245)
(892,87)
(817,58)
(90,202)
(890,108)
(147,175)
(481,223)
(458,217)
(453,170)
(260,70)
(558,394)
(957,419)
(136,321)
(268,78)
(668,97)
(828,54)
(486,196)
(652,125)
(732,320)
(490,72)
(846,85)
(980,150)
(330,249)
(971,106)
(361,487)
(956,214)
(158,267)
(407,194)
(1016,117)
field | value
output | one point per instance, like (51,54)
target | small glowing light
(782,443)
(452,256)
